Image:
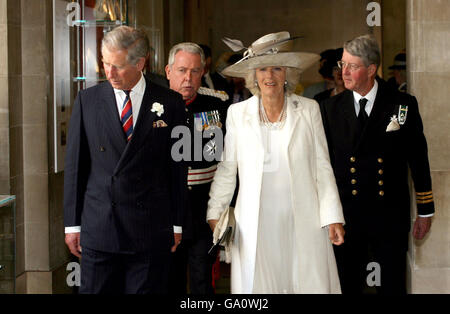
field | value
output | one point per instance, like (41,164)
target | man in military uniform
(374,133)
(206,114)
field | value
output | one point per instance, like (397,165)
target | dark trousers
(192,257)
(366,260)
(113,273)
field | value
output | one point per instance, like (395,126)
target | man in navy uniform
(124,195)
(206,114)
(374,133)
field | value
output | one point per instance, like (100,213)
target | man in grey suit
(124,196)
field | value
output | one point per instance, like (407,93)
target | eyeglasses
(352,66)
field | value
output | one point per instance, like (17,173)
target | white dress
(276,261)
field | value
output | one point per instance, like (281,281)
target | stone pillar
(394,32)
(40,249)
(4,108)
(428,57)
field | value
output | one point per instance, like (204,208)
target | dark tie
(127,116)
(362,117)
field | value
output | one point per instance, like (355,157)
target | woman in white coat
(288,211)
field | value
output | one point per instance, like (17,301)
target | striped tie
(127,116)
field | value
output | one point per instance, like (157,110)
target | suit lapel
(252,118)
(111,118)
(376,116)
(348,110)
(294,110)
(144,125)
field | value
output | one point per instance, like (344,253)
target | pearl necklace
(277,125)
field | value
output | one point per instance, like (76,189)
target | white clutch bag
(223,234)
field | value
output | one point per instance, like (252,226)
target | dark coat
(371,169)
(126,196)
(198,194)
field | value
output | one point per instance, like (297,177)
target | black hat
(399,62)
(327,54)
(331,56)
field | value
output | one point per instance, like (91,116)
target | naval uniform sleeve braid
(418,160)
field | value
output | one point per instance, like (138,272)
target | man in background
(374,135)
(206,115)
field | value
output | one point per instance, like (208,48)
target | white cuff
(177,229)
(424,216)
(74,229)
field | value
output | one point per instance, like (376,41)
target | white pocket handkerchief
(159,124)
(393,125)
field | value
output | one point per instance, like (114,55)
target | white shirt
(369,106)
(136,95)
(370,96)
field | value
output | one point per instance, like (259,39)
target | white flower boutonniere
(158,108)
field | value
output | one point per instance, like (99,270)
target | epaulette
(214,93)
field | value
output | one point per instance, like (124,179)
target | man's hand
(177,237)
(421,227)
(73,242)
(212,224)
(336,233)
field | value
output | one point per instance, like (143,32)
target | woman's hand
(336,233)
(213,223)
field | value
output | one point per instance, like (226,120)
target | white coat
(315,197)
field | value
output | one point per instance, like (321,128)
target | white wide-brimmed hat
(270,50)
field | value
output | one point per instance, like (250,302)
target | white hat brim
(299,60)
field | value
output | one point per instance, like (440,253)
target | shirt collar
(139,88)
(370,95)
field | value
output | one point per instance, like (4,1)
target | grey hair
(186,47)
(292,79)
(365,47)
(133,40)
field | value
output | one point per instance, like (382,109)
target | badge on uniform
(402,113)
(206,120)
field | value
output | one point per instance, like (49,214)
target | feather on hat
(270,50)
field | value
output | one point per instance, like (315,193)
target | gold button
(380,171)
(354,192)
(380,160)
(189,168)
(380,182)
(352,170)
(189,188)
(381,193)
(352,159)
(353,181)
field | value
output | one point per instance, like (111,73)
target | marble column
(428,57)
(4,108)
